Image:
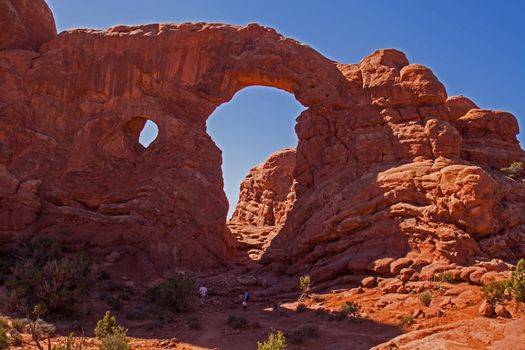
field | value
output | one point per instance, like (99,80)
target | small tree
(39,329)
(112,336)
(516,282)
(276,341)
(513,170)
(304,283)
(107,326)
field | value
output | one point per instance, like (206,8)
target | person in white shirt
(203,293)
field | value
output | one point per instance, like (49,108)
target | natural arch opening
(149,133)
(256,134)
(142,131)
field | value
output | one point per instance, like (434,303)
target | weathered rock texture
(267,192)
(26,24)
(267,195)
(386,166)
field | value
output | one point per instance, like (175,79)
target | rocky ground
(391,315)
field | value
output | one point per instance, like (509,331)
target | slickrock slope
(387,166)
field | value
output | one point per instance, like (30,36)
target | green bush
(43,274)
(494,290)
(304,283)
(406,320)
(236,322)
(174,294)
(4,341)
(107,326)
(276,341)
(425,298)
(299,336)
(115,341)
(445,277)
(514,170)
(350,308)
(516,283)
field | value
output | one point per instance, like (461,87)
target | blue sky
(476,48)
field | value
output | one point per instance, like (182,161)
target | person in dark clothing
(245,298)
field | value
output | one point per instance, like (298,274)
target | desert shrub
(445,277)
(406,320)
(60,284)
(425,298)
(304,283)
(301,308)
(71,343)
(494,290)
(116,340)
(107,326)
(20,324)
(4,341)
(38,328)
(299,336)
(40,249)
(193,322)
(236,322)
(43,274)
(174,294)
(516,283)
(276,341)
(350,308)
(513,170)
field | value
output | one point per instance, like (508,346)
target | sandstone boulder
(486,309)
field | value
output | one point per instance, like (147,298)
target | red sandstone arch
(65,102)
(167,202)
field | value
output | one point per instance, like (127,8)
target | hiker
(203,293)
(245,298)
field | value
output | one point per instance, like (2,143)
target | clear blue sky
(476,48)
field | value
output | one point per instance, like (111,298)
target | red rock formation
(267,192)
(386,167)
(420,180)
(267,195)
(26,24)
